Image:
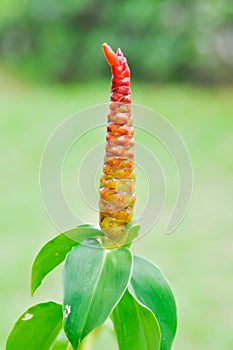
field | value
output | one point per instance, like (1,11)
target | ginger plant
(102,278)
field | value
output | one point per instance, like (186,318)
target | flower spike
(117,184)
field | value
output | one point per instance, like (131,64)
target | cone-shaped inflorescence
(117,184)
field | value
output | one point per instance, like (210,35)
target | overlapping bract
(117,184)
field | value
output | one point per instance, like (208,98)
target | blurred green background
(181,58)
(165,40)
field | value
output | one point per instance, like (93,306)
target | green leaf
(37,328)
(135,325)
(152,289)
(132,234)
(54,252)
(61,342)
(60,345)
(94,281)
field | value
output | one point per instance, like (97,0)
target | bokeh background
(181,57)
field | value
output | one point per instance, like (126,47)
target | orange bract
(110,55)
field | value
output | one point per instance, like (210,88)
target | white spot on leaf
(67,311)
(27,317)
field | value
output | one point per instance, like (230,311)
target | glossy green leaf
(135,325)
(94,281)
(54,252)
(37,328)
(152,289)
